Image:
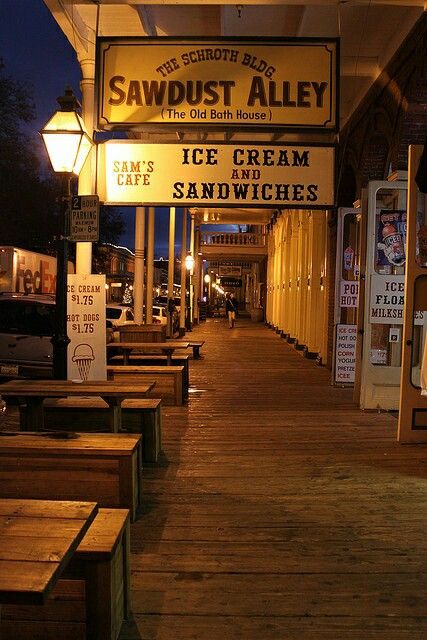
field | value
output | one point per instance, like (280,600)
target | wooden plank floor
(280,511)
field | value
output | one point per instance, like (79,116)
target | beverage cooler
(413,389)
(346,295)
(381,309)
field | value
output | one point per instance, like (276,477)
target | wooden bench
(152,359)
(196,346)
(91,599)
(141,416)
(105,468)
(169,380)
(142,333)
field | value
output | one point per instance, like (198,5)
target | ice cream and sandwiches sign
(250,175)
(215,82)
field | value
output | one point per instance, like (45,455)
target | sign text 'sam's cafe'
(253,175)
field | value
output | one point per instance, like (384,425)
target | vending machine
(380,321)
(346,294)
(413,386)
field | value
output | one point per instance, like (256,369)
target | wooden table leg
(35,415)
(115,414)
(126,562)
(168,353)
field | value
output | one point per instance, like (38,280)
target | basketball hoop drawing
(83,357)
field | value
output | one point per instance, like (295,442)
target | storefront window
(391,241)
(421,242)
(388,278)
(419,327)
(350,268)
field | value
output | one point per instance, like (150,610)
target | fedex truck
(27,272)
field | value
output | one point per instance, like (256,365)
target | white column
(138,285)
(197,294)
(150,266)
(171,264)
(88,173)
(257,287)
(183,273)
(192,271)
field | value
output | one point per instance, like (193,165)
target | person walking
(235,304)
(231,311)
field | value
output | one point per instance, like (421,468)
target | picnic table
(34,392)
(196,345)
(37,540)
(166,348)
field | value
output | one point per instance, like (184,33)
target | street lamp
(68,144)
(189,265)
(207,290)
(189,262)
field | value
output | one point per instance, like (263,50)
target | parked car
(160,315)
(119,315)
(109,331)
(163,301)
(26,327)
(27,323)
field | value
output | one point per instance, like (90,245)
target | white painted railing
(235,239)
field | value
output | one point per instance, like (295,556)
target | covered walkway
(279,511)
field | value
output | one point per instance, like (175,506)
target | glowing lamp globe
(66,138)
(189,262)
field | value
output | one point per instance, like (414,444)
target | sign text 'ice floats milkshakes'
(215,82)
(249,175)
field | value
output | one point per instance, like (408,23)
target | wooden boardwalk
(279,511)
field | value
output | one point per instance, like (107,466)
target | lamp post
(68,144)
(207,281)
(189,265)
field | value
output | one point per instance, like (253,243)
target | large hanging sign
(253,175)
(227,81)
(229,270)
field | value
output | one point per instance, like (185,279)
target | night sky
(36,53)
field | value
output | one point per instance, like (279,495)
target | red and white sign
(345,353)
(349,294)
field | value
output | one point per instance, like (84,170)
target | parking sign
(84,219)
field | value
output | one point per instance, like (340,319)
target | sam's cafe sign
(252,175)
(265,82)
